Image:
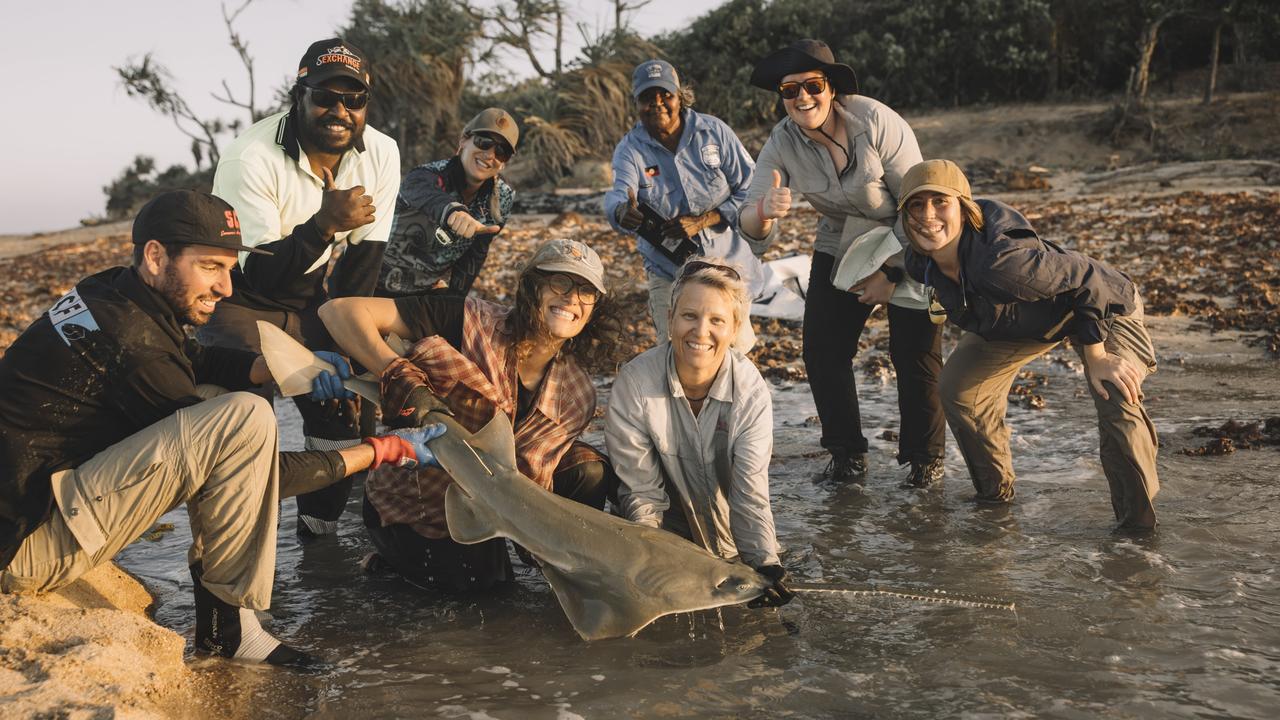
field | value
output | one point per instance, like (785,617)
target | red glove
(391,449)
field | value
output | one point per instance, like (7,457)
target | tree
(522,23)
(152,82)
(420,53)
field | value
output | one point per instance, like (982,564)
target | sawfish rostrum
(612,577)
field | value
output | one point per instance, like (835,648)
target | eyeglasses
(325,98)
(562,284)
(814,86)
(500,149)
(694,266)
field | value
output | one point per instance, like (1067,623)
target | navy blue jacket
(1015,285)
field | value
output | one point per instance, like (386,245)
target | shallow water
(1181,624)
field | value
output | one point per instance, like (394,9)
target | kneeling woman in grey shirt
(690,428)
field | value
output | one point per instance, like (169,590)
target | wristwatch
(895,274)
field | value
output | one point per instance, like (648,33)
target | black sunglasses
(562,284)
(325,98)
(694,266)
(501,150)
(814,86)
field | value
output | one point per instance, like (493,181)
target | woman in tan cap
(474,357)
(1016,296)
(846,154)
(449,211)
(690,428)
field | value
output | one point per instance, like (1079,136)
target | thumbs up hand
(342,210)
(463,225)
(629,216)
(776,202)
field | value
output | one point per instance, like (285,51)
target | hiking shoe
(924,475)
(845,467)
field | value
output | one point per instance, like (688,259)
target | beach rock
(89,651)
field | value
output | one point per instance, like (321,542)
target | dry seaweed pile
(1236,435)
(1215,258)
(29,284)
(1212,257)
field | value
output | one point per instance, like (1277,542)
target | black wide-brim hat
(803,56)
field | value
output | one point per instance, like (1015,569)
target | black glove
(775,595)
(417,405)
(406,399)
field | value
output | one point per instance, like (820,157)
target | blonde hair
(972,213)
(716,273)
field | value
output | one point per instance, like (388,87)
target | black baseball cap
(187,217)
(333,58)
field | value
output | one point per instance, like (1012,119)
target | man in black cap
(103,429)
(304,181)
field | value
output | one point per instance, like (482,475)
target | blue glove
(328,386)
(418,438)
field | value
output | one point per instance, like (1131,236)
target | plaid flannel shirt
(475,381)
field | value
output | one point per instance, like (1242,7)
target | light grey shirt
(883,147)
(714,467)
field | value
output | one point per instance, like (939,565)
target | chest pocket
(864,185)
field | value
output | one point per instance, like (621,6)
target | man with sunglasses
(302,182)
(692,171)
(449,211)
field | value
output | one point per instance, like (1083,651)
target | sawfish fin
(469,522)
(595,609)
(497,441)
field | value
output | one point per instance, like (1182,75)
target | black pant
(454,567)
(235,326)
(833,322)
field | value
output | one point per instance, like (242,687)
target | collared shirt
(476,379)
(883,147)
(714,465)
(266,176)
(710,170)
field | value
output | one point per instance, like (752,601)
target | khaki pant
(660,311)
(975,387)
(218,456)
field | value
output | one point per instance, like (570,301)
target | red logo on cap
(233,223)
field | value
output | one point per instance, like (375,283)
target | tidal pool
(1180,624)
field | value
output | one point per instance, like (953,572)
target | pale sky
(71,128)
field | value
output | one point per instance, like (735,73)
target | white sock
(255,643)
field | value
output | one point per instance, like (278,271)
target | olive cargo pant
(975,387)
(218,456)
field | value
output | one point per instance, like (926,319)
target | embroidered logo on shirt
(711,156)
(71,318)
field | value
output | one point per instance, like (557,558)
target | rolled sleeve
(633,455)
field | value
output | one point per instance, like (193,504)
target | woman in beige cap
(449,211)
(1016,296)
(474,357)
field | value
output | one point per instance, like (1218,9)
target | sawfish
(612,577)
